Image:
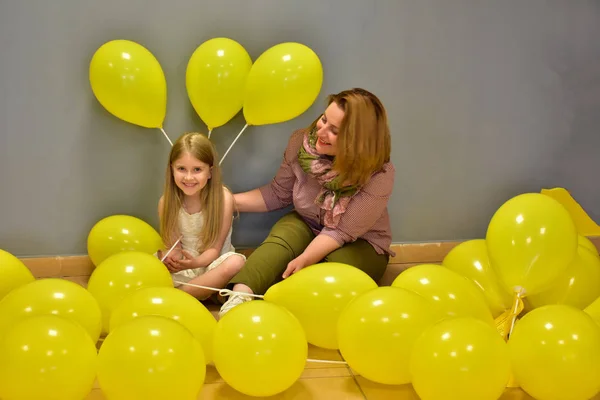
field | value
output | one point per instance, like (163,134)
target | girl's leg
(216,277)
(363,256)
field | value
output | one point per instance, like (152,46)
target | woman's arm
(318,248)
(213,252)
(363,211)
(279,192)
(251,201)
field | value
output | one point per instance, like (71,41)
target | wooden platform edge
(407,255)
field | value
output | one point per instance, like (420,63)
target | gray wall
(487,99)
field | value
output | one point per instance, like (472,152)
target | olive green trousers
(286,241)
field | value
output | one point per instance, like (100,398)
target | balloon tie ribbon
(506,321)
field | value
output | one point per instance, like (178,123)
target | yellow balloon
(129,82)
(13,273)
(531,241)
(587,244)
(377,331)
(118,233)
(470,259)
(449,292)
(283,83)
(171,303)
(317,294)
(151,357)
(593,310)
(259,348)
(579,286)
(122,274)
(555,353)
(52,297)
(46,357)
(216,78)
(460,358)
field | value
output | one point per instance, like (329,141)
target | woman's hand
(294,266)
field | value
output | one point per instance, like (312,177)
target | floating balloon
(531,241)
(460,358)
(216,79)
(259,348)
(151,357)
(129,82)
(282,84)
(46,357)
(122,274)
(449,292)
(118,233)
(377,332)
(171,303)
(470,259)
(317,294)
(13,273)
(555,353)
(52,297)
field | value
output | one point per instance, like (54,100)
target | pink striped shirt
(366,216)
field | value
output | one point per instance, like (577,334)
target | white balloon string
(165,133)
(234,140)
(171,249)
(222,292)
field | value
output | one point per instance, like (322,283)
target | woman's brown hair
(363,140)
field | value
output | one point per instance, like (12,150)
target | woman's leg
(363,256)
(287,240)
(217,275)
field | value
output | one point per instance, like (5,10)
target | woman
(338,175)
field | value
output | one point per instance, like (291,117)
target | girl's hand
(171,260)
(294,266)
(187,262)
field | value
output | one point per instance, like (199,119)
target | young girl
(198,210)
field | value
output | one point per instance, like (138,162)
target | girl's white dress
(190,226)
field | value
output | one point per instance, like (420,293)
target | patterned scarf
(334,196)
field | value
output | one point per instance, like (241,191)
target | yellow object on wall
(585,225)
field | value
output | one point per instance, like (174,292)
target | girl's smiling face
(190,174)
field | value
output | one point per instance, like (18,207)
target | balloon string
(234,140)
(326,361)
(165,133)
(222,292)
(209,132)
(171,249)
(516,309)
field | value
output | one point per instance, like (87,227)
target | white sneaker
(234,300)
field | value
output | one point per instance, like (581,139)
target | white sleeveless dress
(190,226)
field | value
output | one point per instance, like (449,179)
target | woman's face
(327,130)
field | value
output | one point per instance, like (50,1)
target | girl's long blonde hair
(363,141)
(211,196)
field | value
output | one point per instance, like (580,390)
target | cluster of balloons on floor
(442,328)
(221,80)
